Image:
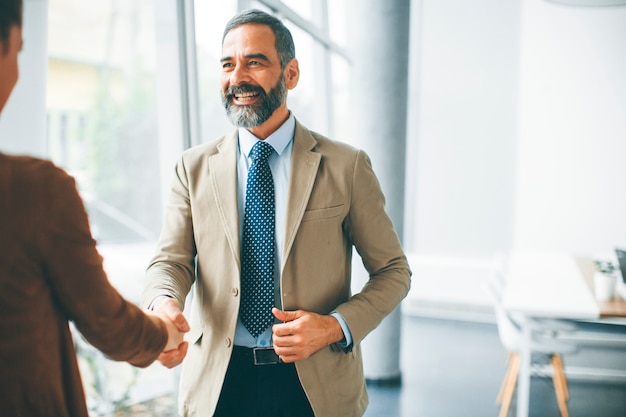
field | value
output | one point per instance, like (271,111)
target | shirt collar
(279,139)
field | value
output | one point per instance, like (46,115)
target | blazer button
(227,342)
(234,292)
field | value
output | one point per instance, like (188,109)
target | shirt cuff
(347,335)
(151,306)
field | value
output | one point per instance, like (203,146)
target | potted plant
(604,279)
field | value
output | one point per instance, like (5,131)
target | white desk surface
(548,284)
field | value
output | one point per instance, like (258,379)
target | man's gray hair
(284,42)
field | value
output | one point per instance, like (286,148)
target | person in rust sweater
(50,274)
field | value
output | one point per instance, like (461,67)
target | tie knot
(261,151)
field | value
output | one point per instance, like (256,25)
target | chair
(543,341)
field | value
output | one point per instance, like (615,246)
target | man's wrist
(346,339)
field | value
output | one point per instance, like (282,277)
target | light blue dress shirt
(280,165)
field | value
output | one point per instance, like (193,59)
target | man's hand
(176,349)
(303,333)
(173,357)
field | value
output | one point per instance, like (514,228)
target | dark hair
(10,15)
(284,42)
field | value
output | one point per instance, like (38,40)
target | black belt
(257,356)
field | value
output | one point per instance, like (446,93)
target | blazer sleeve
(372,233)
(78,282)
(172,270)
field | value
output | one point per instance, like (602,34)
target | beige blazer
(335,202)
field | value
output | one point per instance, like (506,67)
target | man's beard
(252,115)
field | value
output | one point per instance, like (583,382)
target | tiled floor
(455,368)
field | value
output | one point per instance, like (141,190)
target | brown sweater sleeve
(79,284)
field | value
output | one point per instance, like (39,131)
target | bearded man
(261,226)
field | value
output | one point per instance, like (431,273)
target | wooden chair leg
(506,378)
(560,384)
(509,384)
(559,361)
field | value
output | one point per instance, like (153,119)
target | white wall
(571,184)
(518,137)
(462,131)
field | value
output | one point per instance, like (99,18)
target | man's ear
(292,74)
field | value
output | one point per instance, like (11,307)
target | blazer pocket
(194,335)
(321,214)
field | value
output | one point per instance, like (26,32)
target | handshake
(168,310)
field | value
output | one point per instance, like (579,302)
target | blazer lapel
(304,165)
(223,166)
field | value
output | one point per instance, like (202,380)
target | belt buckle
(265,356)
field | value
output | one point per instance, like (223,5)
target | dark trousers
(261,390)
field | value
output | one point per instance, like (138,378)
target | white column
(379,52)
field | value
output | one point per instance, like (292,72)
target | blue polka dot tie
(257,250)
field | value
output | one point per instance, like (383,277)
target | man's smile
(246,97)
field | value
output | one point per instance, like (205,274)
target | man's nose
(239,75)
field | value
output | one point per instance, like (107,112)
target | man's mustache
(244,88)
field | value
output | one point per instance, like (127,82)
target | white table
(544,285)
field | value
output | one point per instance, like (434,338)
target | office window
(304,8)
(209,23)
(102,112)
(104,128)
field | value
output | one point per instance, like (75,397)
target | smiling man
(254,79)
(261,225)
(247,73)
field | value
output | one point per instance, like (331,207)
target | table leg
(523,385)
